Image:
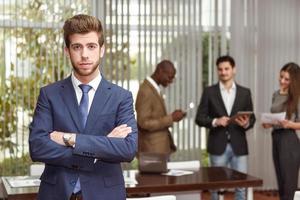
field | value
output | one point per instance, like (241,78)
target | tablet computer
(240,114)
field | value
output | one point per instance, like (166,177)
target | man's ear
(234,70)
(102,51)
(67,52)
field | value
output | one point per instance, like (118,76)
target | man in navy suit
(227,144)
(83,126)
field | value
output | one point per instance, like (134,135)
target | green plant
(40,47)
(204,158)
(15,166)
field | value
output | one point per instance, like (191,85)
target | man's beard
(85,72)
(225,78)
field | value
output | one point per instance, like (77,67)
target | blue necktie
(84,103)
(84,111)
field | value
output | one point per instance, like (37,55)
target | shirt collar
(94,83)
(154,84)
(222,87)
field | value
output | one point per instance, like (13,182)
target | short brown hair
(82,24)
(225,58)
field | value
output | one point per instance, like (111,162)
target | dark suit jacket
(57,109)
(212,106)
(153,121)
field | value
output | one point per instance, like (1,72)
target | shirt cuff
(247,125)
(213,123)
(73,146)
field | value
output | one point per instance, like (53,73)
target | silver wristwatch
(66,138)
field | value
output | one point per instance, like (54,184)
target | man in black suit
(227,144)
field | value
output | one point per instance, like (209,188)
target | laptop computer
(153,162)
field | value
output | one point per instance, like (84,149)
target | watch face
(66,138)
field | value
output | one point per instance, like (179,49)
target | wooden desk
(204,179)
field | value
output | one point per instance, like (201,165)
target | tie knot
(85,88)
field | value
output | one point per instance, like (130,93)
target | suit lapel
(219,98)
(69,97)
(100,100)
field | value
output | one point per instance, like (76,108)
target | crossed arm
(46,144)
(119,132)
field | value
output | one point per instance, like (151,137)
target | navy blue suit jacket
(57,110)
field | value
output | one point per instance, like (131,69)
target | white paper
(176,172)
(272,118)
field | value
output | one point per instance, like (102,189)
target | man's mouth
(85,64)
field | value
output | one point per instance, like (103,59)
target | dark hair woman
(286,146)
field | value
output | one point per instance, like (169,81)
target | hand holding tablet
(240,115)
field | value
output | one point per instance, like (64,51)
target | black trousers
(286,157)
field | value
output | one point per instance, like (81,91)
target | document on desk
(177,172)
(23,181)
(272,118)
(130,181)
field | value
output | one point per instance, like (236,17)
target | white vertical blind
(139,34)
(161,29)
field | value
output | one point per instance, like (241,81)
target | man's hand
(242,121)
(57,137)
(120,131)
(178,115)
(222,121)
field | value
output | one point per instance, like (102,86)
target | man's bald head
(164,73)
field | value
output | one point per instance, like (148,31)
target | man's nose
(84,53)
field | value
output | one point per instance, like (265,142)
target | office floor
(258,195)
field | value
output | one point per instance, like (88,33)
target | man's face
(226,72)
(167,76)
(85,53)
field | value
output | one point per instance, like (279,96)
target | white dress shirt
(228,97)
(94,84)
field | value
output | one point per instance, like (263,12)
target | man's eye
(76,47)
(92,46)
